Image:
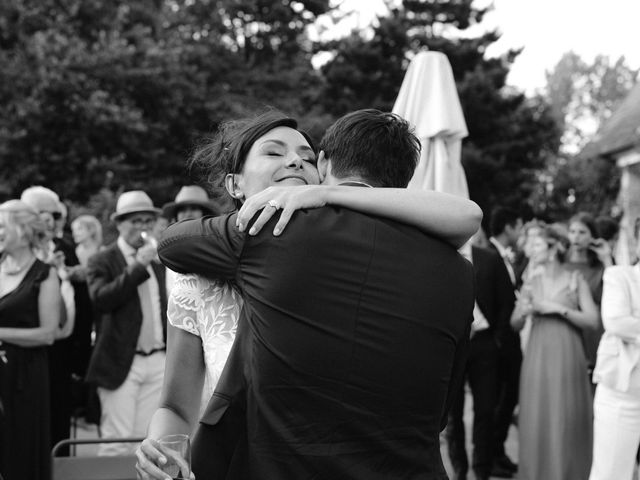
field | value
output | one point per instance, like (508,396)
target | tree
(510,136)
(114,94)
(582,96)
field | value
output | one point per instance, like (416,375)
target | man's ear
(232,186)
(323,166)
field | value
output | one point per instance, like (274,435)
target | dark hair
(379,147)
(556,235)
(607,227)
(501,217)
(588,221)
(227,150)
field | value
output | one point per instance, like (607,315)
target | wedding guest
(127,286)
(616,407)
(589,255)
(58,253)
(491,314)
(609,230)
(30,309)
(506,226)
(554,421)
(191,201)
(87,235)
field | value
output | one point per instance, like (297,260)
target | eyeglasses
(55,215)
(142,222)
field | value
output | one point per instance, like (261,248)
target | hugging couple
(353,308)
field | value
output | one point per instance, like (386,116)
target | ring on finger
(274,204)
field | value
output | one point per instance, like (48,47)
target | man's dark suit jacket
(357,327)
(494,290)
(113,286)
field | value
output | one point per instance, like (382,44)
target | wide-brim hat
(135,201)
(190,196)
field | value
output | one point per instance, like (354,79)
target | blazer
(113,286)
(357,335)
(494,290)
(618,355)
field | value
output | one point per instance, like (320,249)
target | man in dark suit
(506,226)
(127,286)
(354,331)
(491,317)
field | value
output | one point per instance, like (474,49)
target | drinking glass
(177,450)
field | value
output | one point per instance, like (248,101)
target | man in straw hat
(191,202)
(127,285)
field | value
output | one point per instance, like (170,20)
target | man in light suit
(616,406)
(355,328)
(127,286)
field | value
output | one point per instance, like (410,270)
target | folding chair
(93,467)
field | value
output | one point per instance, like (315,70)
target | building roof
(621,131)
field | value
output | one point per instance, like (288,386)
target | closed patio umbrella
(429,101)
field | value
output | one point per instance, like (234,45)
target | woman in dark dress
(30,312)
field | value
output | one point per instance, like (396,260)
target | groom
(355,328)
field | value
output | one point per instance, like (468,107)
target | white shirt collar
(501,250)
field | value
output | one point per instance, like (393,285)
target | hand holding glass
(177,450)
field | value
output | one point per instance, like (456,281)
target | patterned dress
(209,309)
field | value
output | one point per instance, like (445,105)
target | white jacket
(619,349)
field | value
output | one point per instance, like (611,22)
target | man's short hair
(501,217)
(379,147)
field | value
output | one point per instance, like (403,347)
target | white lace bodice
(210,310)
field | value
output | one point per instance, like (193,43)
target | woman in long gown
(204,314)
(554,423)
(30,306)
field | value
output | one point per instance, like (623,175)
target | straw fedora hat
(190,196)
(134,201)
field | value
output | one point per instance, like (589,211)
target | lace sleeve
(184,302)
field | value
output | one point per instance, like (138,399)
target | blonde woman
(30,314)
(87,234)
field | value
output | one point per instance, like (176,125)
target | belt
(150,352)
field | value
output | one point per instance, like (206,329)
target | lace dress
(209,309)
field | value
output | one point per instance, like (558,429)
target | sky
(546,29)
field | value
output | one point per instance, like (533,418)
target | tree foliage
(103,96)
(114,93)
(510,136)
(582,96)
